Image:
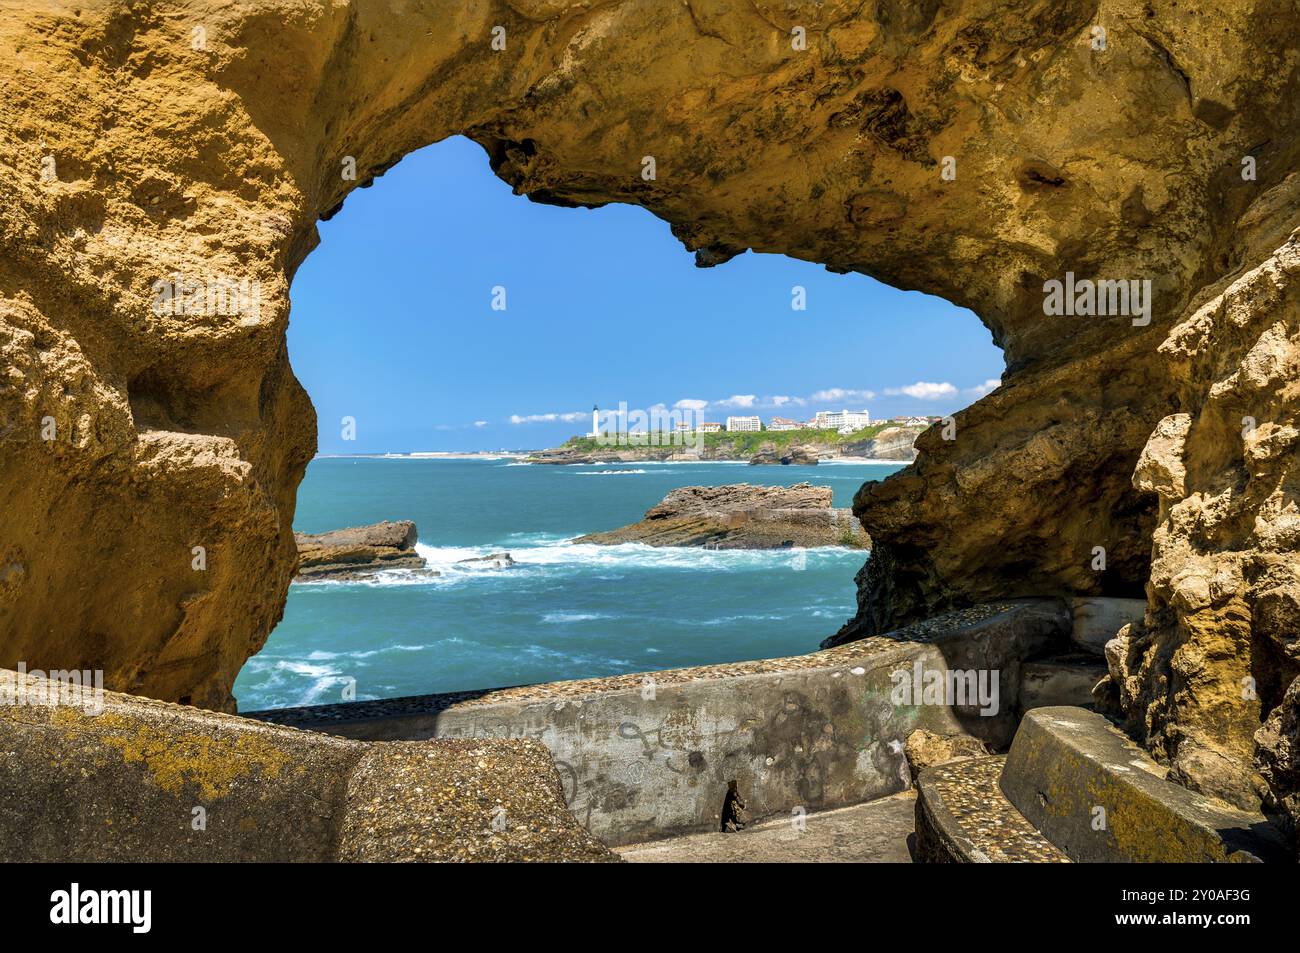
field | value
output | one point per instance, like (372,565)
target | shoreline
(430,455)
(522,456)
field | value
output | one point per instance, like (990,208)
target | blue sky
(392,322)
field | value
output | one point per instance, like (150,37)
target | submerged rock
(742,516)
(358,551)
(490,561)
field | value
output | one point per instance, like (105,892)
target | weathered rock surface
(1221,640)
(358,551)
(742,516)
(770,454)
(924,749)
(165,142)
(1278,742)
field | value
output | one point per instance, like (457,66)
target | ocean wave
(559,618)
(743,617)
(575,658)
(281,674)
(608,472)
(562,553)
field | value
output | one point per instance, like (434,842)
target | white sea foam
(579,658)
(555,555)
(559,618)
(608,472)
(744,617)
(561,555)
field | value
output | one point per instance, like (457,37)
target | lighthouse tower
(595,421)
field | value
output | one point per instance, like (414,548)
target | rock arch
(200,142)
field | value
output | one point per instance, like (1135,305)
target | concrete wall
(112,777)
(637,757)
(653,755)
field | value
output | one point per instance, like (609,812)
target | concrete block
(1096,620)
(1027,629)
(653,755)
(1100,798)
(650,756)
(1060,681)
(88,777)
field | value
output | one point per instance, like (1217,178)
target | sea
(564,610)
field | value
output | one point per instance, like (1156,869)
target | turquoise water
(565,611)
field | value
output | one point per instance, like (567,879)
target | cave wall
(141,140)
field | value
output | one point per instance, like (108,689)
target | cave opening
(442,315)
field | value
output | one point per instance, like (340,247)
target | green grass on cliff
(747,443)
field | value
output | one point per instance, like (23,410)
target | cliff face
(892,443)
(973,150)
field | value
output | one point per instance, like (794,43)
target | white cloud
(547,418)
(780,401)
(832,395)
(982,389)
(738,400)
(690,403)
(923,390)
(480,423)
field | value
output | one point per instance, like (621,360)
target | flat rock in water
(358,551)
(785,456)
(742,516)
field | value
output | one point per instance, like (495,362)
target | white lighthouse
(595,421)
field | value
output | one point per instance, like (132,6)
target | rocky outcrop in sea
(742,516)
(770,454)
(358,551)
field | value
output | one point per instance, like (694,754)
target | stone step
(963,817)
(876,832)
(1100,798)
